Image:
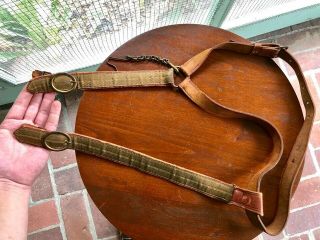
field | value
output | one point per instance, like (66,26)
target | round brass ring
(73,81)
(46,145)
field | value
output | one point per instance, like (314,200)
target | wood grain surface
(164,123)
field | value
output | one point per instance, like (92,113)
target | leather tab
(54,141)
(38,73)
(30,134)
(265,49)
(249,200)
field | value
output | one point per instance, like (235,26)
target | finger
(53,118)
(20,106)
(33,107)
(44,109)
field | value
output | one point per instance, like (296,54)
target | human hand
(20,163)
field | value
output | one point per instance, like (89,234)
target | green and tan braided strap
(208,186)
(64,82)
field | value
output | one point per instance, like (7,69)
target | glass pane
(65,35)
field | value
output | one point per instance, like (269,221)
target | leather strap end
(40,85)
(249,200)
(29,134)
(270,50)
(54,141)
(40,82)
(38,73)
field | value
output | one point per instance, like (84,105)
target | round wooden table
(165,124)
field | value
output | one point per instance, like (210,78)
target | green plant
(13,34)
(27,16)
(22,31)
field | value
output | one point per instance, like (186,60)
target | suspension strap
(208,186)
(295,160)
(65,82)
(225,192)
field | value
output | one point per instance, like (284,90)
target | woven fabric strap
(200,183)
(64,82)
(250,200)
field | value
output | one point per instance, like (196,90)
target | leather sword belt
(251,201)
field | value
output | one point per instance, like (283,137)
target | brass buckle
(73,82)
(64,145)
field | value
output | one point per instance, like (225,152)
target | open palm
(19,162)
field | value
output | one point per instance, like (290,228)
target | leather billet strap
(250,200)
(200,183)
(296,156)
(65,82)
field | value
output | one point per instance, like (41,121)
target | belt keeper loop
(255,48)
(265,49)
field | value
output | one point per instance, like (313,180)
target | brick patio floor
(60,207)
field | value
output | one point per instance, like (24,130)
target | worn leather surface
(297,153)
